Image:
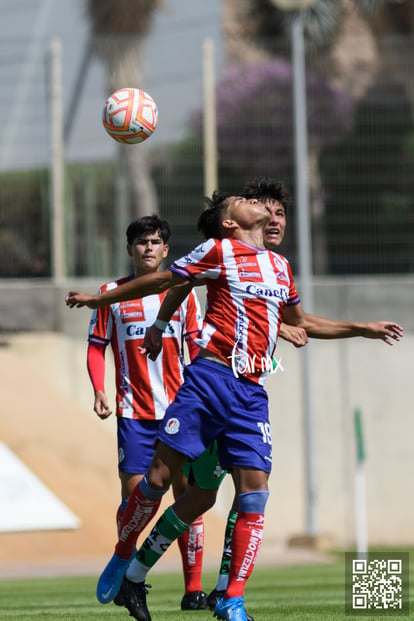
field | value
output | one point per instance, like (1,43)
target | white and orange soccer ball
(130,115)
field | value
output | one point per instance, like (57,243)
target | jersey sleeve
(96,366)
(293,294)
(101,325)
(204,261)
(192,323)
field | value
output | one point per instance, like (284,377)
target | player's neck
(253,237)
(138,273)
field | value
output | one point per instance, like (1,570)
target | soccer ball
(130,115)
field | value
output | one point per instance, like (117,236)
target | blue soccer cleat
(111,578)
(231,609)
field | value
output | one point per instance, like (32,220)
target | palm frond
(321,21)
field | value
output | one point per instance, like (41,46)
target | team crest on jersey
(172,426)
(278,262)
(282,277)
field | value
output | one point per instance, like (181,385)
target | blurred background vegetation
(360,102)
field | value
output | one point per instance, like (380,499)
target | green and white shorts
(205,470)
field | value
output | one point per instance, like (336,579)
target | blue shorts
(213,404)
(136,440)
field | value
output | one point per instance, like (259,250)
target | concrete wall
(348,374)
(38,305)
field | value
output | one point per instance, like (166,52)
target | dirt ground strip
(74,456)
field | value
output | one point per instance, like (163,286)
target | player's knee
(153,487)
(201,500)
(208,499)
(253,502)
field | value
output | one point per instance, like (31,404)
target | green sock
(226,557)
(168,528)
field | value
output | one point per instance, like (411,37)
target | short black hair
(262,188)
(147,225)
(209,222)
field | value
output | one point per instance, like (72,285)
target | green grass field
(308,593)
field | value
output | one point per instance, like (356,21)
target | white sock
(222,582)
(136,572)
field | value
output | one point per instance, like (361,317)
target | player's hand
(101,405)
(293,334)
(389,331)
(78,299)
(152,344)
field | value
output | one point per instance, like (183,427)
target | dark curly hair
(263,188)
(209,222)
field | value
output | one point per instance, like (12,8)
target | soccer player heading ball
(250,290)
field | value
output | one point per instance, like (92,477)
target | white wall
(349,374)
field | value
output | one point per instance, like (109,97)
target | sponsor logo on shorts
(121,456)
(172,426)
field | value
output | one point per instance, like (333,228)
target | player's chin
(148,268)
(272,241)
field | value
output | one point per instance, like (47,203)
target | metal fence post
(305,258)
(57,190)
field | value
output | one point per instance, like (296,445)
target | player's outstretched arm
(388,331)
(322,328)
(152,344)
(78,299)
(136,288)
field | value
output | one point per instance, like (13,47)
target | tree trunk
(121,55)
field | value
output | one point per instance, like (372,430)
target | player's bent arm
(322,328)
(152,344)
(293,334)
(174,298)
(136,288)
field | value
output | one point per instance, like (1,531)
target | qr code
(377,585)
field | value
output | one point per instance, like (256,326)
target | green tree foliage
(24,225)
(369,187)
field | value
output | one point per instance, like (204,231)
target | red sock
(139,511)
(245,544)
(119,515)
(191,544)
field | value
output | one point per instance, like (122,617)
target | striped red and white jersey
(247,291)
(144,388)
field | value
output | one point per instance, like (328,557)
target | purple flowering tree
(256,134)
